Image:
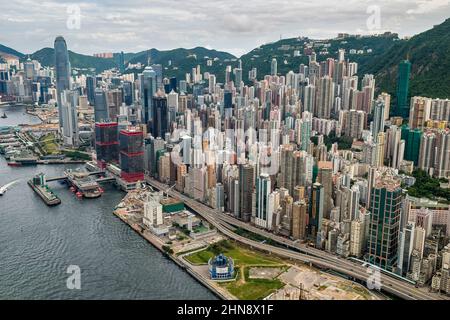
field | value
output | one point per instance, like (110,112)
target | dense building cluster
(259,149)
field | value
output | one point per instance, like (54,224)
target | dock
(34,161)
(65,176)
(84,184)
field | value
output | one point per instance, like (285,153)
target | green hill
(46,57)
(183,60)
(429,53)
(4,50)
(283,51)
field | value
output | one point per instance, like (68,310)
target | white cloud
(234,25)
(426,6)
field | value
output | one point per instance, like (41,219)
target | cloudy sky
(236,26)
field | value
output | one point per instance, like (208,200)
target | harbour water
(16,115)
(39,243)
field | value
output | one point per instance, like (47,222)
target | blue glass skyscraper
(101,106)
(148,83)
(91,83)
(173,84)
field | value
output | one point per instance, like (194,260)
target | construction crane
(167,191)
(302,293)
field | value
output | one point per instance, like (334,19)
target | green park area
(77,155)
(48,144)
(344,142)
(246,288)
(243,287)
(428,187)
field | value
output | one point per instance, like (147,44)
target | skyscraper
(353,123)
(212,83)
(273,67)
(299,219)
(131,146)
(159,123)
(120,61)
(442,169)
(325,95)
(28,67)
(62,74)
(262,212)
(172,105)
(106,143)
(128,92)
(419,113)
(378,118)
(357,237)
(69,102)
(246,182)
(427,152)
(306,130)
(406,247)
(238,77)
(91,83)
(404,72)
(325,178)
(159,75)
(114,98)
(100,106)
(316,209)
(385,206)
(173,84)
(387,104)
(412,140)
(227,100)
(148,87)
(368,90)
(286,176)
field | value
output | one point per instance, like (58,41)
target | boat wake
(7,186)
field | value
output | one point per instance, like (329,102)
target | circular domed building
(221,268)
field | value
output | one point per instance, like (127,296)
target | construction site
(166,219)
(305,283)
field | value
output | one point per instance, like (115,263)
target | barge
(38,184)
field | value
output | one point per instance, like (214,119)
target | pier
(81,183)
(65,177)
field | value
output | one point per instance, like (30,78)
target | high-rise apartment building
(299,219)
(378,118)
(419,112)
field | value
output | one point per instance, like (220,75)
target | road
(308,255)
